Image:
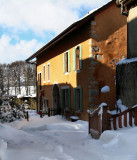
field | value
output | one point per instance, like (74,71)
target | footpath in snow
(54,138)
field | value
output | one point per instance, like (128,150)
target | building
(127,69)
(74,66)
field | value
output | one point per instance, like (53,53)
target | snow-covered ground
(54,138)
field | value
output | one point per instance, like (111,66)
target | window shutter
(81,100)
(69,94)
(74,60)
(69,61)
(80,57)
(62,98)
(63,62)
(74,98)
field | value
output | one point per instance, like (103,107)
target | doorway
(56,104)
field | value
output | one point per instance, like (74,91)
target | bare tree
(29,76)
(2,78)
(8,76)
(17,74)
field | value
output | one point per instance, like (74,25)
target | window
(45,105)
(39,80)
(77,99)
(48,72)
(66,62)
(43,73)
(65,96)
(77,58)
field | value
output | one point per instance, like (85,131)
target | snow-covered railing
(123,119)
(102,119)
(98,121)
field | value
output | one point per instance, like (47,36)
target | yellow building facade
(74,66)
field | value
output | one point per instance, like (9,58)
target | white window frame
(44,74)
(67,73)
(46,99)
(48,73)
(77,71)
(38,77)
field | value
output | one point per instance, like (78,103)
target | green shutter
(62,98)
(74,98)
(69,61)
(80,57)
(69,94)
(63,62)
(81,100)
(74,60)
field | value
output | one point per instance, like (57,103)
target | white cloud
(41,15)
(20,51)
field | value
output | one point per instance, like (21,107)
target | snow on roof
(93,10)
(126,61)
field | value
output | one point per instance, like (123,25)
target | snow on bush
(105,89)
(3,148)
(9,114)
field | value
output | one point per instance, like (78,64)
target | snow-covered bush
(10,113)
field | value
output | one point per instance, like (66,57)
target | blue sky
(27,25)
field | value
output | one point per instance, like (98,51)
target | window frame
(48,72)
(66,71)
(63,91)
(75,59)
(40,82)
(44,73)
(45,100)
(80,109)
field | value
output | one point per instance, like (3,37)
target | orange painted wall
(109,34)
(111,38)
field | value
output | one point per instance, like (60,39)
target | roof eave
(68,30)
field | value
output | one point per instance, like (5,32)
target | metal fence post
(49,112)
